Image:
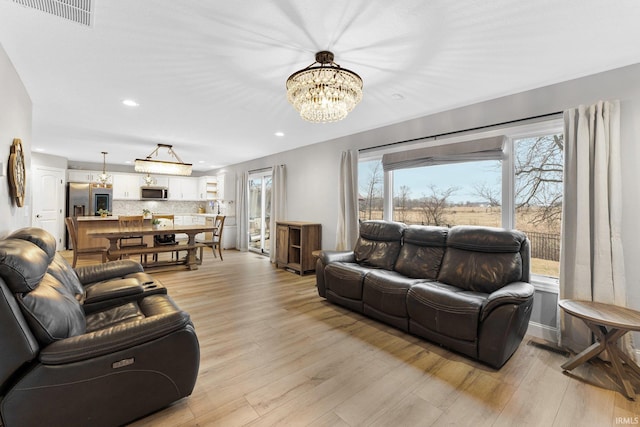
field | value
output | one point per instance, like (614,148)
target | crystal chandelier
(103,178)
(163,167)
(324,92)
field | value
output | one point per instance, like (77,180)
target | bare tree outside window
(402,204)
(538,170)
(370,177)
(434,206)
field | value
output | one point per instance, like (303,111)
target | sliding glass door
(260,211)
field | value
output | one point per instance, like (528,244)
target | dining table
(115,233)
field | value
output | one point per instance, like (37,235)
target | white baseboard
(543,332)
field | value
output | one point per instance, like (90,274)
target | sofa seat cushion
(386,291)
(114,316)
(345,279)
(445,309)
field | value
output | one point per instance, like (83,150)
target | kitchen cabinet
(156,181)
(207,188)
(77,175)
(126,186)
(295,242)
(183,188)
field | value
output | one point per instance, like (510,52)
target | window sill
(545,283)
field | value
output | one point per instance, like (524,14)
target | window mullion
(387,207)
(508,185)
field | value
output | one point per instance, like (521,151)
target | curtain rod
(455,132)
(263,169)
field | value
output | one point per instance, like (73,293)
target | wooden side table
(608,323)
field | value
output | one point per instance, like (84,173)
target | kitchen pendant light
(163,167)
(104,178)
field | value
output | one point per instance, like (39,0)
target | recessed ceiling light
(130,103)
(279,134)
(201,161)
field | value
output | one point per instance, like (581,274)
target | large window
(522,189)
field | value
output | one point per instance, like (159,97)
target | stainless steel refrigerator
(86,199)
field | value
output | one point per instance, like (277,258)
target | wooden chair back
(72,227)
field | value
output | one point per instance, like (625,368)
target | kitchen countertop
(115,217)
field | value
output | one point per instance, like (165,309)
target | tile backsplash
(135,207)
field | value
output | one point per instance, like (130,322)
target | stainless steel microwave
(154,193)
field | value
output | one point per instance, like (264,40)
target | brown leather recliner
(466,288)
(100,345)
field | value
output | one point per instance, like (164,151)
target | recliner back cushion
(53,313)
(22,264)
(39,237)
(482,259)
(379,243)
(422,252)
(62,270)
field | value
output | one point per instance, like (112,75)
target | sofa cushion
(386,291)
(345,279)
(22,264)
(52,311)
(379,243)
(482,259)
(422,251)
(446,309)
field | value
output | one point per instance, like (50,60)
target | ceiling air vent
(79,11)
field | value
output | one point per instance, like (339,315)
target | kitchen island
(98,223)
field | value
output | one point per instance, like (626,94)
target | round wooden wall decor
(17,172)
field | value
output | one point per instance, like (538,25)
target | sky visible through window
(463,176)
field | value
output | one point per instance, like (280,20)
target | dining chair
(72,227)
(132,241)
(164,239)
(216,239)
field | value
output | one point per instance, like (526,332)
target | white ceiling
(210,75)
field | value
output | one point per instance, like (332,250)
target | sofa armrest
(337,256)
(115,338)
(99,272)
(513,293)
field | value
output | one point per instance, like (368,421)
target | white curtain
(347,231)
(278,204)
(591,258)
(242,211)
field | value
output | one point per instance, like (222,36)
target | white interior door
(48,202)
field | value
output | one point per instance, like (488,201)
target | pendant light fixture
(324,92)
(163,167)
(103,178)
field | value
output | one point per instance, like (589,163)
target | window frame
(512,134)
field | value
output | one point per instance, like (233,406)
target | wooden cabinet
(295,242)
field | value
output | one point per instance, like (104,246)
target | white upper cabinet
(126,186)
(207,188)
(77,175)
(183,188)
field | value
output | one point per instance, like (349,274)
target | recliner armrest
(114,339)
(112,289)
(513,293)
(100,272)
(337,256)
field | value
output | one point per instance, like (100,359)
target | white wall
(15,122)
(312,171)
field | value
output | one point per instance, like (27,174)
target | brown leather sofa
(100,345)
(466,288)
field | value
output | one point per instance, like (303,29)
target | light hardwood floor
(274,353)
